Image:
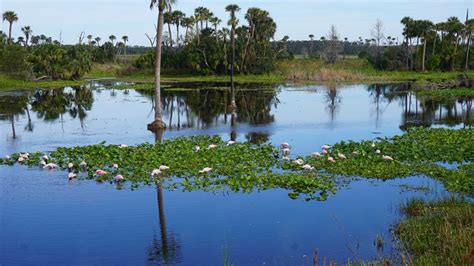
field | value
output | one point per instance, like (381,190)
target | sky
(297,18)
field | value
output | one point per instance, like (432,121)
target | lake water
(44,219)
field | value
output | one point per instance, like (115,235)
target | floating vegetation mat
(210,164)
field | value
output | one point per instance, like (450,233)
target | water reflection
(258,109)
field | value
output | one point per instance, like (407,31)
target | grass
(438,232)
(298,70)
(443,93)
(8,83)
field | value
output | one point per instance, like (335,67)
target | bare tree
(332,49)
(81,37)
(377,32)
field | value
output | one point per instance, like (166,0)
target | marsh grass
(438,232)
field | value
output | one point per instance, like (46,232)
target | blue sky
(296,19)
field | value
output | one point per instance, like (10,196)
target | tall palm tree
(311,37)
(89,38)
(27,31)
(168,19)
(112,38)
(125,40)
(233,21)
(178,20)
(215,21)
(11,17)
(469,28)
(97,40)
(161,4)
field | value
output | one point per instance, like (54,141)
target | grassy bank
(298,70)
(438,233)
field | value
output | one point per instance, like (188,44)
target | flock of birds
(284,147)
(286,150)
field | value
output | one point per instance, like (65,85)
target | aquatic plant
(240,167)
(437,232)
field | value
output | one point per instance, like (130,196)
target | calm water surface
(44,219)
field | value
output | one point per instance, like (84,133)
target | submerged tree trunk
(13,127)
(158,123)
(233,105)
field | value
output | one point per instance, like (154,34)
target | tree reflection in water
(165,248)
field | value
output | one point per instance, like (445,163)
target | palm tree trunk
(466,63)
(171,35)
(10,33)
(434,45)
(158,123)
(424,55)
(233,105)
(13,127)
(455,52)
(177,35)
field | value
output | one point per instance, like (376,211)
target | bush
(13,62)
(56,62)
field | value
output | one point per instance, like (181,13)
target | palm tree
(97,40)
(215,21)
(89,38)
(112,38)
(469,28)
(125,40)
(168,19)
(27,31)
(188,23)
(425,27)
(161,4)
(178,18)
(311,37)
(11,17)
(233,21)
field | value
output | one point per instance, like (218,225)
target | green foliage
(443,93)
(14,62)
(240,167)
(59,62)
(438,232)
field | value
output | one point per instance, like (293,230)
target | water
(44,219)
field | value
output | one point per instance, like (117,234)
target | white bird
(387,158)
(45,158)
(22,159)
(70,165)
(123,146)
(373,144)
(211,146)
(286,158)
(155,172)
(119,178)
(115,166)
(26,155)
(331,160)
(325,147)
(8,158)
(83,164)
(298,162)
(197,148)
(341,156)
(230,142)
(286,151)
(355,152)
(307,167)
(71,175)
(164,167)
(377,151)
(205,170)
(42,163)
(50,166)
(284,145)
(316,154)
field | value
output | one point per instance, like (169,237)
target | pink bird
(316,154)
(119,178)
(71,175)
(341,156)
(325,147)
(331,160)
(387,158)
(100,172)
